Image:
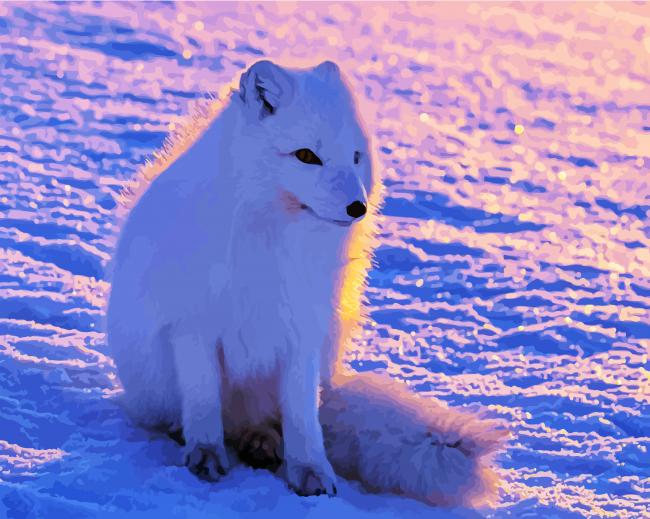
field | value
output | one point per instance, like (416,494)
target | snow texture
(512,276)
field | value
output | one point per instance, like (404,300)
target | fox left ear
(328,70)
(265,87)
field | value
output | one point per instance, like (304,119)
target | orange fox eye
(307,156)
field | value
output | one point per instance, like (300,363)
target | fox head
(303,142)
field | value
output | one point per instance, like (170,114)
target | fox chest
(275,295)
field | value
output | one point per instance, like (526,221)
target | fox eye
(307,156)
(357,157)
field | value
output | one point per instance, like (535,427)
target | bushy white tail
(378,432)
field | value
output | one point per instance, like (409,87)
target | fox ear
(328,70)
(265,87)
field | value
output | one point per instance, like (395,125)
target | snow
(512,276)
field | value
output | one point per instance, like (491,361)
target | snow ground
(512,276)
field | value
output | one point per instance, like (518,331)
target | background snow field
(513,273)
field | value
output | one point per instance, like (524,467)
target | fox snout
(337,196)
(356,209)
(350,191)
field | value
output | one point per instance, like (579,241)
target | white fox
(236,283)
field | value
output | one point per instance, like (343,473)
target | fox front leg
(198,377)
(306,467)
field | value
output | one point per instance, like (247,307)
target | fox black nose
(356,209)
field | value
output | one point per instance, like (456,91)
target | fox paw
(311,480)
(261,449)
(207,462)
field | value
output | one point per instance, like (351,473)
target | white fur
(392,440)
(231,300)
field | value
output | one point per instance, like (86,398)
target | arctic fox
(237,280)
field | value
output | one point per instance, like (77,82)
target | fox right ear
(265,87)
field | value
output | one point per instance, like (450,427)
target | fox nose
(356,209)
